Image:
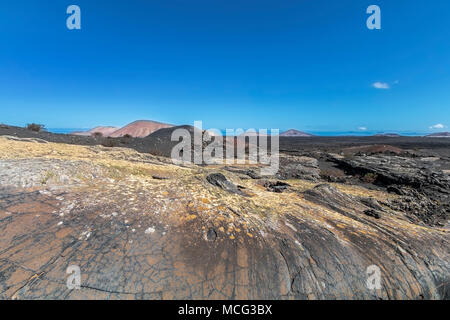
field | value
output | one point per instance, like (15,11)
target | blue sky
(303,64)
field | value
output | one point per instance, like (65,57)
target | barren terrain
(140,227)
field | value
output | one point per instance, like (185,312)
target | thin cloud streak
(381,85)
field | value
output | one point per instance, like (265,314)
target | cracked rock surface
(140,237)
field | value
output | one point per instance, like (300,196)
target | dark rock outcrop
(219,180)
(372,213)
(424,188)
(372,203)
(275,186)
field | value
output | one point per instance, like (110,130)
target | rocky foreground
(140,227)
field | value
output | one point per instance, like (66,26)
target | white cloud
(438,126)
(381,85)
(362,128)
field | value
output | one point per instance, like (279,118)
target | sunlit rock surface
(140,227)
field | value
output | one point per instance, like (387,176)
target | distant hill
(105,131)
(160,142)
(295,133)
(136,129)
(140,128)
(439,135)
(393,135)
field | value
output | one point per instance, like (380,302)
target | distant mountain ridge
(392,135)
(295,133)
(439,135)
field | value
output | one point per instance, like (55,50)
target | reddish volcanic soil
(140,129)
